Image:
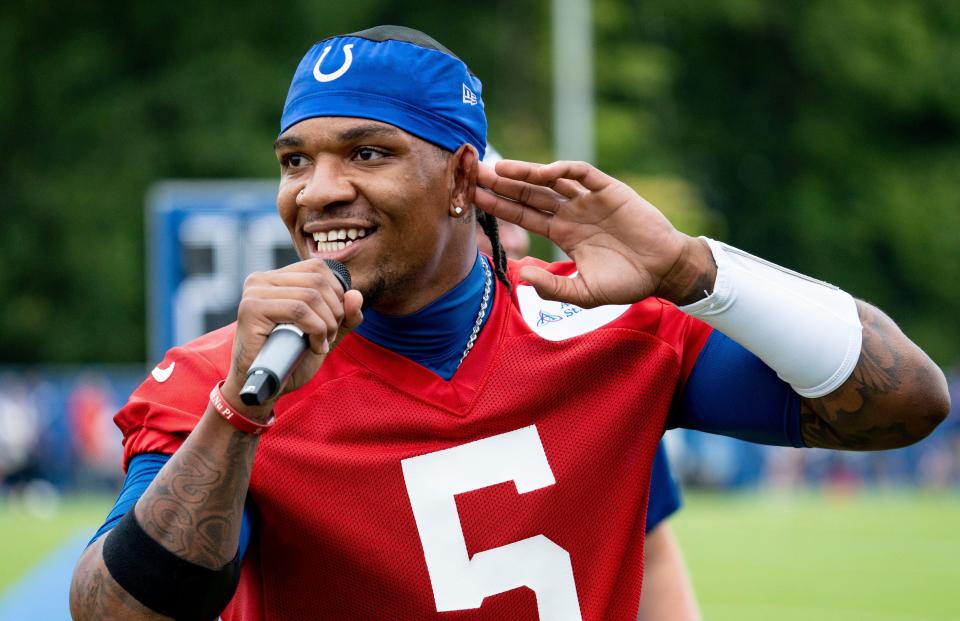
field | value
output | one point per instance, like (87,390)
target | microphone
(282,352)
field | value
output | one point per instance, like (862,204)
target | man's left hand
(624,248)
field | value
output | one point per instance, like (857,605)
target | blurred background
(822,135)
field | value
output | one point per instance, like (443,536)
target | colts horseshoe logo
(330,77)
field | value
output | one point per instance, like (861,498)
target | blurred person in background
(90,409)
(19,431)
(406,483)
(667,590)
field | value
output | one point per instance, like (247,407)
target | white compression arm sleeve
(806,330)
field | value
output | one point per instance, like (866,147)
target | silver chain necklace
(487,287)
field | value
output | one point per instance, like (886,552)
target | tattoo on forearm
(195,504)
(193,508)
(855,416)
(96,596)
(687,283)
(239,353)
(106,590)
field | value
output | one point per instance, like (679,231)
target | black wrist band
(161,580)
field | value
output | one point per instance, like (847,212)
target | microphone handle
(280,355)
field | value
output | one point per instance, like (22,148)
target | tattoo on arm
(94,595)
(692,278)
(195,504)
(193,508)
(865,413)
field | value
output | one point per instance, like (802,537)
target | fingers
(531,219)
(568,188)
(558,288)
(514,188)
(311,310)
(309,297)
(312,266)
(529,194)
(586,175)
(353,316)
(262,314)
(569,179)
(513,200)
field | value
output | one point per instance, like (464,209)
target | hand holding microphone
(282,352)
(288,319)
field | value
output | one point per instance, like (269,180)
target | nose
(327,186)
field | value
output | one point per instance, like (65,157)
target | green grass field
(889,557)
(25,538)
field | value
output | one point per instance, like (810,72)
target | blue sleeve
(733,393)
(664,493)
(142,470)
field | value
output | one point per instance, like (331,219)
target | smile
(338,239)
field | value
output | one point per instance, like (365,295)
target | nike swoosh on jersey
(162,375)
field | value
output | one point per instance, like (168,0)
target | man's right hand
(305,294)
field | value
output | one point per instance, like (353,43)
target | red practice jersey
(517,490)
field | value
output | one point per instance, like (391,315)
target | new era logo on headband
(469,97)
(330,77)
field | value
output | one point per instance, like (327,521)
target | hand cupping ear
(622,245)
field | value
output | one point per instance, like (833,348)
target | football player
(465,438)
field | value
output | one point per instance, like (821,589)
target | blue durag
(394,75)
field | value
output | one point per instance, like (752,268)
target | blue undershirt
(732,393)
(436,335)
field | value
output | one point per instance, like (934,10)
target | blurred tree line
(821,135)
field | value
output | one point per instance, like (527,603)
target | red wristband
(234,417)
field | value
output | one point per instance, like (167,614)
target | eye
(293,160)
(368,154)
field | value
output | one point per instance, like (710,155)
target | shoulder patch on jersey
(162,375)
(558,321)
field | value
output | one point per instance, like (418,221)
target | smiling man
(401,259)
(477,442)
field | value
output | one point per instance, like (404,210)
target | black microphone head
(340,271)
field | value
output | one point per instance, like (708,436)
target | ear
(464,165)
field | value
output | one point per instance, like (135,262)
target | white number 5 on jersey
(460,582)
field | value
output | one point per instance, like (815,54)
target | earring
(458,210)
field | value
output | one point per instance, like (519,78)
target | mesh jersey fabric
(336,534)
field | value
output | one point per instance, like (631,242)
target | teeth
(329,241)
(332,246)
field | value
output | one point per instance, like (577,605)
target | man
(667,590)
(485,427)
